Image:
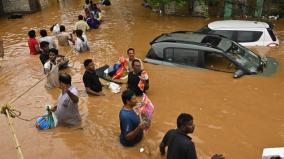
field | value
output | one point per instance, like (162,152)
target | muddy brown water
(235,117)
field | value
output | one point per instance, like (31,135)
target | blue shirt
(129,121)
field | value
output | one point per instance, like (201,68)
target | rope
(12,113)
(19,96)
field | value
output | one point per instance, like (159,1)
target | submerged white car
(247,33)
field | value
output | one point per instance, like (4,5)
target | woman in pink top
(32,42)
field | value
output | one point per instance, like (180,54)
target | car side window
(227,33)
(181,56)
(169,54)
(186,56)
(152,55)
(218,62)
(248,36)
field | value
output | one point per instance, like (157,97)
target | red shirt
(32,42)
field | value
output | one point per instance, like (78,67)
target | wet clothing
(133,81)
(82,45)
(53,76)
(44,57)
(81,25)
(93,23)
(91,80)
(129,121)
(32,42)
(179,145)
(63,38)
(67,111)
(48,39)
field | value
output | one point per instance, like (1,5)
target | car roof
(238,24)
(193,38)
(185,36)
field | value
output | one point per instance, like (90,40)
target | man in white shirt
(81,43)
(49,39)
(67,111)
(51,68)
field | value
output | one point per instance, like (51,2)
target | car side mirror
(239,73)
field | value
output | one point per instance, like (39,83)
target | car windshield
(243,56)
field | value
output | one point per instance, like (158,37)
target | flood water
(235,117)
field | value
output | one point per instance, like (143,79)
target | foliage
(158,3)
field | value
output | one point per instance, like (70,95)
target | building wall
(43,3)
(11,6)
(16,6)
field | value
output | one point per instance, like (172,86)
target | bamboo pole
(18,146)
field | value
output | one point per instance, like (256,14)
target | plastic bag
(46,121)
(56,29)
(115,88)
(146,108)
(144,77)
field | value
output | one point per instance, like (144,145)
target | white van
(247,33)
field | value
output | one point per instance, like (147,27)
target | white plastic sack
(56,29)
(115,88)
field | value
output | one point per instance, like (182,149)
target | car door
(181,56)
(218,62)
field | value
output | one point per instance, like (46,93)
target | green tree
(204,3)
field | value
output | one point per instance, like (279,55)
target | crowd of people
(132,125)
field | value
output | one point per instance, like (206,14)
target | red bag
(119,73)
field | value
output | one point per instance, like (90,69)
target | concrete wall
(16,6)
(11,6)
(43,3)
